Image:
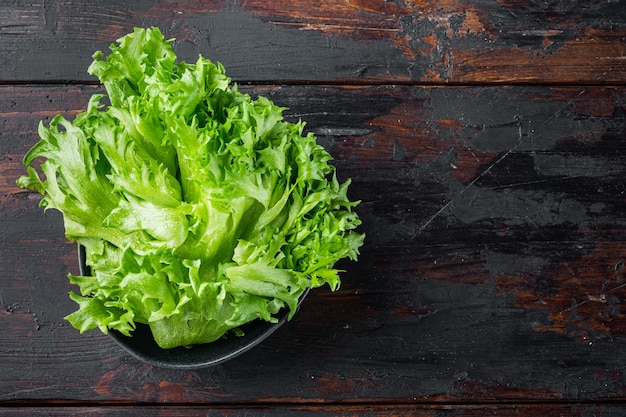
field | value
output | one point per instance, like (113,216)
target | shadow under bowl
(142,345)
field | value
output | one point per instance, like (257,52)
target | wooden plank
(340,410)
(359,41)
(492,271)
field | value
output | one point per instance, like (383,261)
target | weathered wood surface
(493,267)
(428,41)
(486,141)
(313,410)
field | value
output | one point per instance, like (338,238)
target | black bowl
(143,346)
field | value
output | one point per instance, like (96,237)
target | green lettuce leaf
(200,209)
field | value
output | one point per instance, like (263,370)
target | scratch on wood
(423,227)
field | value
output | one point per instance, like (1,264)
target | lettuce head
(200,209)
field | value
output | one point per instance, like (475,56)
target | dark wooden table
(486,140)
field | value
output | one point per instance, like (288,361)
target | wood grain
(345,410)
(360,41)
(486,141)
(492,270)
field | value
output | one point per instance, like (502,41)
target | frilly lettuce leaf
(200,208)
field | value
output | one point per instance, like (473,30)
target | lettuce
(200,209)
